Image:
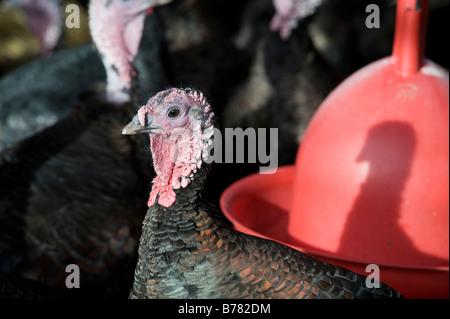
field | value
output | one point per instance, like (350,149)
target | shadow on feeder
(389,152)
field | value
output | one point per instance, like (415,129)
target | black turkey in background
(201,52)
(45,90)
(39,93)
(288,81)
(74,192)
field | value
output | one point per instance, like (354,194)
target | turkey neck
(175,239)
(182,215)
(167,229)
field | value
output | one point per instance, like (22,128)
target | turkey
(73,193)
(288,80)
(187,249)
(200,51)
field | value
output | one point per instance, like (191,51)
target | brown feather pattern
(189,251)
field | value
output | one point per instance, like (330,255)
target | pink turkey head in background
(289,12)
(116,28)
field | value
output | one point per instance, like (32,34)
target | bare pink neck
(175,158)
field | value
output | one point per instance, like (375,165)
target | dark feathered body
(200,51)
(189,251)
(73,194)
(15,287)
(287,82)
(38,94)
(300,79)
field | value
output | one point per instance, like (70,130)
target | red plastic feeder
(371,179)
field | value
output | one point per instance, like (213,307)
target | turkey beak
(134,127)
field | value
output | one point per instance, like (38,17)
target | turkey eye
(173,112)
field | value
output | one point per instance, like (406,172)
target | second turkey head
(180,124)
(116,28)
(289,12)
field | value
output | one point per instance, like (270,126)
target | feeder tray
(370,183)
